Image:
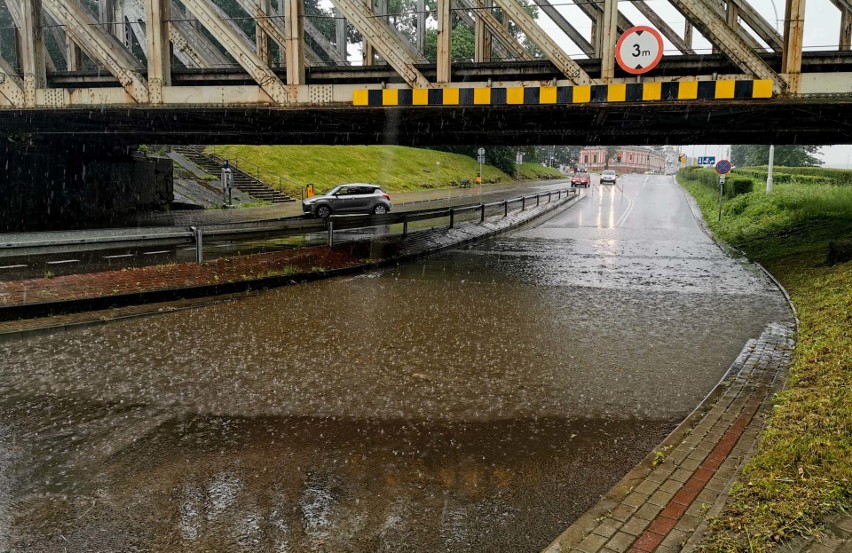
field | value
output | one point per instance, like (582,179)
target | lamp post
(438,172)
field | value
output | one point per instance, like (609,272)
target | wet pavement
(480,400)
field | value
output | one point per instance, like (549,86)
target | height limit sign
(639,50)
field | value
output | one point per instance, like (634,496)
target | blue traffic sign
(707,160)
(724,166)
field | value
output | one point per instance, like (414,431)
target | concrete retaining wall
(42,191)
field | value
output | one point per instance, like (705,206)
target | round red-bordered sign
(723,166)
(639,49)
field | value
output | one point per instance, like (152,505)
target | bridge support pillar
(295,32)
(159,48)
(63,185)
(32,56)
(445,25)
(794,28)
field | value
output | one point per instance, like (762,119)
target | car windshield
(582,175)
(609,172)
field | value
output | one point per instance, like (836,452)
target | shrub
(735,186)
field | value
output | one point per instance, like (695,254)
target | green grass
(396,168)
(803,469)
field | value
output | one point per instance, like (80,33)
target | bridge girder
(496,28)
(545,42)
(728,40)
(224,31)
(730,25)
(387,43)
(101,46)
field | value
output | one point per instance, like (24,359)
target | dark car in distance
(581,179)
(349,198)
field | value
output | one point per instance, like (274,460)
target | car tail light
(387,197)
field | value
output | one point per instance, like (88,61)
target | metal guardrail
(291,225)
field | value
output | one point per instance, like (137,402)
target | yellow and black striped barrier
(580,94)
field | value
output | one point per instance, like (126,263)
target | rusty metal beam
(609,34)
(11,86)
(102,47)
(546,44)
(845,7)
(444,41)
(330,49)
(794,28)
(159,50)
(728,40)
(295,50)
(215,21)
(482,9)
(594,11)
(566,27)
(33,68)
(759,24)
(663,27)
(386,42)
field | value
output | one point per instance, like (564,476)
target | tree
(744,155)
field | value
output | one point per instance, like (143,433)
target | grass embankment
(396,168)
(803,469)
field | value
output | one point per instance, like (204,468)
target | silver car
(608,177)
(349,198)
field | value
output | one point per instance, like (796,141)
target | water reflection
(480,400)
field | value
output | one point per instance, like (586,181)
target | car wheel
(380,209)
(323,211)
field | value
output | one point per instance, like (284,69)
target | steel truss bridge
(187,71)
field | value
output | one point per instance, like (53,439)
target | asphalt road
(477,400)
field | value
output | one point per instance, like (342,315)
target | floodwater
(480,400)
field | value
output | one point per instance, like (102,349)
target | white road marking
(63,261)
(117,256)
(13,266)
(156,252)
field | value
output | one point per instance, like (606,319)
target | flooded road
(480,400)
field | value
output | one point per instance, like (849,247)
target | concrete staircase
(242,181)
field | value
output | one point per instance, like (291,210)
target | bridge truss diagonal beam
(275,28)
(728,40)
(566,27)
(81,27)
(760,25)
(663,27)
(536,34)
(594,11)
(11,86)
(330,49)
(501,49)
(497,29)
(234,42)
(380,36)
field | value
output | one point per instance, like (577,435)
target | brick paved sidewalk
(663,504)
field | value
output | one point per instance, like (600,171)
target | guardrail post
(404,226)
(482,213)
(330,233)
(523,203)
(549,197)
(558,194)
(452,217)
(199,246)
(505,208)
(537,200)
